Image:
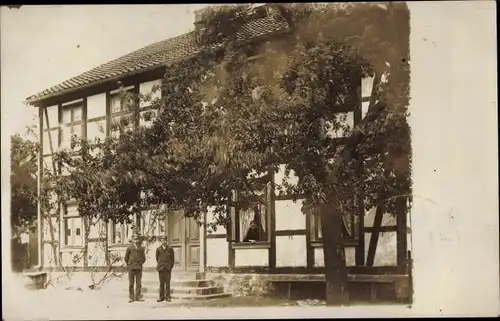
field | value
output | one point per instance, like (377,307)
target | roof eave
(36,101)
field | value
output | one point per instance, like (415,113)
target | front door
(184,238)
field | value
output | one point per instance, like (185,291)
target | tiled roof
(156,55)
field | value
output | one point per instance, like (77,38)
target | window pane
(66,115)
(77,114)
(161,225)
(115,232)
(77,227)
(68,240)
(115,104)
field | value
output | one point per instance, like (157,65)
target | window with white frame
(122,108)
(251,224)
(72,124)
(73,226)
(350,222)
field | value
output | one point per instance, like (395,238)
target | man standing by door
(165,262)
(135,257)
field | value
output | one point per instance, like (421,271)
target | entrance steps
(183,286)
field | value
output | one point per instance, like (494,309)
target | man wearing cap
(165,262)
(135,257)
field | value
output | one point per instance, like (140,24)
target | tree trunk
(337,291)
(87,221)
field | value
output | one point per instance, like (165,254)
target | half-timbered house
(289,246)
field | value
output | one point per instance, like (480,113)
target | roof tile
(157,54)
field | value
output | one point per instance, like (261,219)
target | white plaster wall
(146,88)
(387,219)
(151,254)
(96,106)
(291,251)
(46,142)
(289,215)
(366,91)
(364,108)
(347,118)
(210,218)
(217,252)
(386,249)
(366,86)
(67,258)
(95,229)
(319,259)
(279,177)
(48,258)
(96,255)
(47,163)
(46,229)
(53,114)
(120,251)
(251,257)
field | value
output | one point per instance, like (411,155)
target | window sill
(319,243)
(71,248)
(250,245)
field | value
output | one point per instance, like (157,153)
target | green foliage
(23,182)
(225,123)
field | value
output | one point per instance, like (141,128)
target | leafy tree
(224,124)
(23,179)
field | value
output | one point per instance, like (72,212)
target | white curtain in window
(246,217)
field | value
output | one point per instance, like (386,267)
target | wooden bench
(39,279)
(352,278)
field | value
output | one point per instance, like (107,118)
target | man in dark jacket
(135,257)
(165,262)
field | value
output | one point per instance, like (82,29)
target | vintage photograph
(244,155)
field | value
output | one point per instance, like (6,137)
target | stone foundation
(242,284)
(302,286)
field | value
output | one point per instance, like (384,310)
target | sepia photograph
(177,157)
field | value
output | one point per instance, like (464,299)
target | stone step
(198,291)
(186,297)
(178,283)
(174,276)
(192,283)
(153,292)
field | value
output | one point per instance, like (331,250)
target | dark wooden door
(192,244)
(184,238)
